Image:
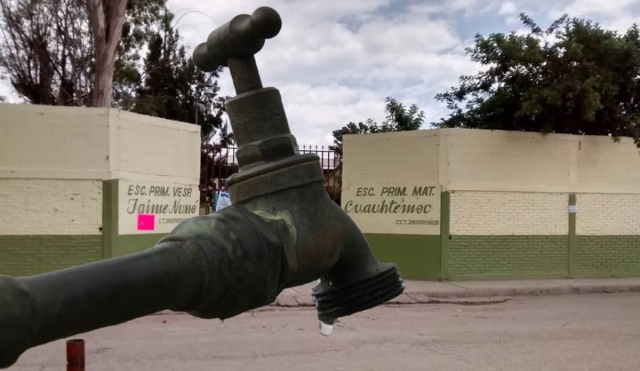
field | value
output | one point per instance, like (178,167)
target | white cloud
(330,73)
(4,90)
(602,8)
(336,62)
(508,9)
(457,8)
(611,14)
(623,23)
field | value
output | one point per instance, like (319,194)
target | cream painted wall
(485,160)
(158,164)
(53,161)
(501,183)
(509,213)
(48,142)
(607,167)
(50,207)
(381,172)
(53,142)
(608,215)
(153,149)
(407,156)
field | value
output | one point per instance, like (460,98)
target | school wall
(52,160)
(155,172)
(510,203)
(48,142)
(58,166)
(48,224)
(513,204)
(384,170)
(153,149)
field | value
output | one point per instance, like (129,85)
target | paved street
(573,332)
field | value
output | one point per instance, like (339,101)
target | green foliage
(398,118)
(47,49)
(572,78)
(174,89)
(143,19)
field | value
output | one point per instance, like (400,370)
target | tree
(143,19)
(47,49)
(572,78)
(106,18)
(173,88)
(398,118)
(43,50)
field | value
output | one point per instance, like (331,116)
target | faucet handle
(256,113)
(242,37)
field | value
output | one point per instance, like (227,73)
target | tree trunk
(103,84)
(106,18)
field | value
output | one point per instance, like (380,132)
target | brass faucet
(282,231)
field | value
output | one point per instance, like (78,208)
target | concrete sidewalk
(478,291)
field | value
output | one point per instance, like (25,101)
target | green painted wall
(480,257)
(513,257)
(30,255)
(123,245)
(445,228)
(607,256)
(471,257)
(33,254)
(417,256)
(573,242)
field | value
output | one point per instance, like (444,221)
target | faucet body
(283,230)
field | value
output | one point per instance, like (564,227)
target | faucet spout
(283,230)
(273,173)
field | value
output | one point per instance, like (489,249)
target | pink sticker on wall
(146,222)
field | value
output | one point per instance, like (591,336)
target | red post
(75,355)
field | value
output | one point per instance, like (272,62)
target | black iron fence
(219,163)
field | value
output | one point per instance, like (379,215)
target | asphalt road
(588,332)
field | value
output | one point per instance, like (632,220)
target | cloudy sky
(336,61)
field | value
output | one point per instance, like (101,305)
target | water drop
(325,328)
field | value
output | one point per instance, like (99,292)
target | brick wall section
(608,255)
(508,234)
(509,213)
(512,256)
(50,207)
(29,255)
(47,225)
(608,234)
(608,215)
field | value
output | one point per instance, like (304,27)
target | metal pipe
(63,303)
(244,74)
(183,272)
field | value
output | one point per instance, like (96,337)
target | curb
(472,296)
(537,291)
(403,299)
